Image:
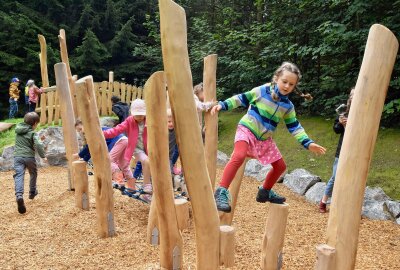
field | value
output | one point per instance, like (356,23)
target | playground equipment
(81,184)
(358,145)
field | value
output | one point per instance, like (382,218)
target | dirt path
(53,234)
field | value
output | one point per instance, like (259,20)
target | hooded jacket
(13,90)
(26,142)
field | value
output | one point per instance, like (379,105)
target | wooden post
(50,107)
(57,109)
(129,94)
(326,258)
(178,73)
(358,144)
(226,218)
(45,77)
(227,246)
(111,77)
(153,228)
(104,97)
(211,121)
(182,213)
(81,184)
(68,118)
(123,92)
(99,152)
(156,120)
(271,253)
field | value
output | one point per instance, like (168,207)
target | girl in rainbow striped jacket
(267,105)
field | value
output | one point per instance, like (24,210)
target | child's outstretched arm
(120,128)
(317,149)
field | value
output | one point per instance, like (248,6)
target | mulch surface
(54,234)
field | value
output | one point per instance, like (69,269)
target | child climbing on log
(201,105)
(135,128)
(267,105)
(116,147)
(26,142)
(339,127)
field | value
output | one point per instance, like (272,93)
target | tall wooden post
(226,218)
(358,144)
(45,77)
(99,153)
(81,184)
(68,118)
(211,121)
(227,246)
(179,77)
(170,240)
(271,253)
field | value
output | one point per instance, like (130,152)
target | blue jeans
(331,182)
(20,165)
(174,157)
(13,108)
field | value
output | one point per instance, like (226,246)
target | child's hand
(316,148)
(75,156)
(216,109)
(343,120)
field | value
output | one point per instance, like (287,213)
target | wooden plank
(139,93)
(57,109)
(110,91)
(44,75)
(43,111)
(104,98)
(117,89)
(134,93)
(123,92)
(50,108)
(129,90)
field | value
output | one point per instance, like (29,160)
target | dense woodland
(326,39)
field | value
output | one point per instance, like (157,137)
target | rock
(255,169)
(375,194)
(375,210)
(222,158)
(108,122)
(393,208)
(398,221)
(7,159)
(54,145)
(316,192)
(300,180)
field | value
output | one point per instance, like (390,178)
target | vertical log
(139,93)
(226,218)
(211,121)
(227,246)
(104,98)
(358,144)
(129,94)
(81,184)
(100,157)
(68,118)
(134,92)
(111,77)
(271,253)
(117,89)
(45,77)
(50,106)
(156,120)
(123,92)
(178,73)
(182,213)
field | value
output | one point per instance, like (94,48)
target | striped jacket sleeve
(244,99)
(295,128)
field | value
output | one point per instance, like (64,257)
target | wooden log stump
(326,258)
(211,121)
(81,184)
(101,159)
(68,118)
(182,213)
(227,246)
(271,252)
(358,144)
(180,85)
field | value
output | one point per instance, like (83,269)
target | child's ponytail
(307,96)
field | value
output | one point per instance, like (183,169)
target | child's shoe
(176,170)
(118,178)
(148,188)
(146,197)
(268,195)
(322,207)
(222,199)
(21,205)
(131,184)
(32,194)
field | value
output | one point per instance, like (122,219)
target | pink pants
(118,161)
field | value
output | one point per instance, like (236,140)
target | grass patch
(384,171)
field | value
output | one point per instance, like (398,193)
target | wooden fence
(49,108)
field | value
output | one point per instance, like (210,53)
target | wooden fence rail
(50,106)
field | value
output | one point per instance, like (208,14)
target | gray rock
(398,221)
(316,192)
(393,208)
(375,210)
(300,181)
(7,159)
(255,169)
(222,158)
(54,145)
(375,194)
(108,122)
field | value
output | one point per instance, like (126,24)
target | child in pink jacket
(135,129)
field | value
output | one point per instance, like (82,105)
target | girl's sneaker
(222,199)
(146,197)
(148,188)
(268,195)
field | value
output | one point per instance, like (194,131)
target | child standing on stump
(26,142)
(267,105)
(339,127)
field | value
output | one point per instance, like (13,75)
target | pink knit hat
(138,107)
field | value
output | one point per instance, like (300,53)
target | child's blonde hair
(169,113)
(292,68)
(198,88)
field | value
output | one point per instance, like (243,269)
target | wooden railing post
(45,77)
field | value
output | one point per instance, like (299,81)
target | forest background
(326,39)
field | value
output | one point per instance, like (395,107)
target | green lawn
(385,166)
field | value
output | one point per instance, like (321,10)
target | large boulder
(222,158)
(108,122)
(300,180)
(393,208)
(375,194)
(255,169)
(7,159)
(316,192)
(373,209)
(54,145)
